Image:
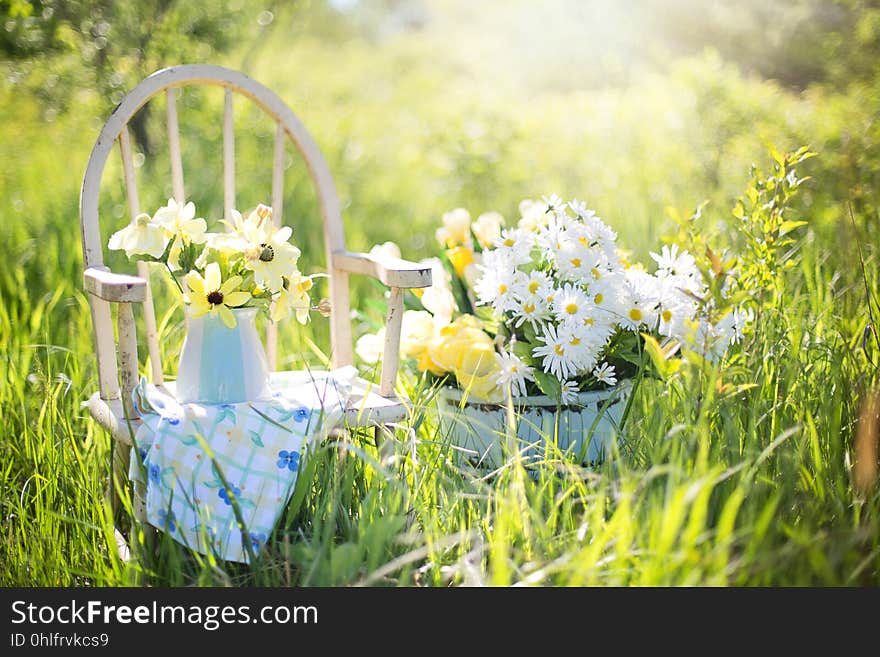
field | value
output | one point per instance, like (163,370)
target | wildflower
(640,301)
(568,392)
(141,236)
(456,229)
(556,353)
(515,245)
(514,373)
(498,284)
(208,296)
(571,305)
(672,263)
(293,298)
(273,258)
(533,215)
(182,227)
(605,374)
(487,228)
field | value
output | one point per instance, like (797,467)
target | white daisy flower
(641,300)
(582,348)
(580,209)
(568,392)
(531,309)
(710,341)
(533,215)
(515,245)
(537,285)
(577,263)
(608,293)
(553,203)
(672,263)
(674,313)
(571,305)
(555,353)
(497,285)
(730,328)
(605,374)
(514,372)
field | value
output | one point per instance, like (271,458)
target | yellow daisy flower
(208,295)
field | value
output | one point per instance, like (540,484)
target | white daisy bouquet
(250,264)
(552,307)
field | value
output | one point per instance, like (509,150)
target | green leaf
(788,226)
(776,155)
(485,313)
(524,351)
(658,356)
(549,385)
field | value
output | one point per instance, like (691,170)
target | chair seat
(365,408)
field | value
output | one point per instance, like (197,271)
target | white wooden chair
(118,357)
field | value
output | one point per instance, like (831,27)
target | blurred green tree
(120,43)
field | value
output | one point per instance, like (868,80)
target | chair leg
(121,455)
(139,508)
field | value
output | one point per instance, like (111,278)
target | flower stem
(174,278)
(632,392)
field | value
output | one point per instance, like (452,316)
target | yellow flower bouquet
(250,264)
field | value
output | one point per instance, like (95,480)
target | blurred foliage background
(644,109)
(424,105)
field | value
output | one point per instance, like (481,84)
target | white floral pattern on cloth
(203,460)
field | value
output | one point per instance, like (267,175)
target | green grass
(747,487)
(739,477)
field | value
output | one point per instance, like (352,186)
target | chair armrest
(393,272)
(118,288)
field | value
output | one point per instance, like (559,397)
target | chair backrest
(288,126)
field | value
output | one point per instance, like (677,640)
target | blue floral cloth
(203,461)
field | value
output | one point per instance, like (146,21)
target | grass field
(734,476)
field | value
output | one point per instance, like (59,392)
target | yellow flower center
(550,298)
(598,298)
(583,241)
(596,273)
(588,321)
(635,315)
(667,315)
(571,308)
(528,308)
(533,286)
(575,341)
(560,351)
(576,262)
(502,288)
(514,368)
(509,241)
(305,284)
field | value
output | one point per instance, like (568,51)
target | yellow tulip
(460,257)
